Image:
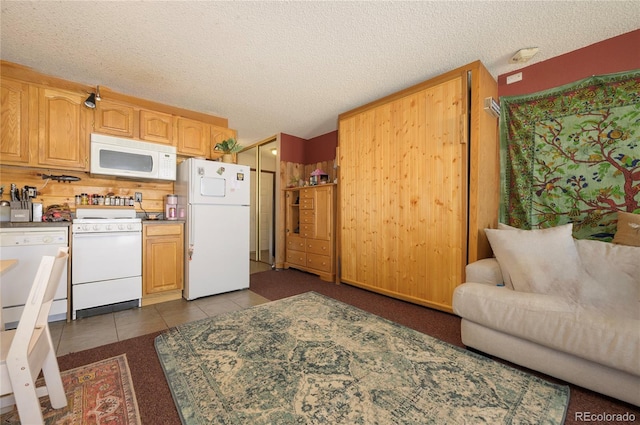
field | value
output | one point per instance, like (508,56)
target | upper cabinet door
(156,127)
(114,118)
(192,137)
(63,129)
(14,107)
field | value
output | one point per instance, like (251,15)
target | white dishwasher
(28,245)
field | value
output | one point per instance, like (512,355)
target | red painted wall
(292,148)
(613,55)
(321,148)
(302,151)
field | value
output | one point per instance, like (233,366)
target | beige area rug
(98,393)
(310,359)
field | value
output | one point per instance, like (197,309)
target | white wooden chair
(28,349)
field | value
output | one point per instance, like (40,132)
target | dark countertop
(42,224)
(147,221)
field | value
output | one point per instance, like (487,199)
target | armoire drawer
(319,262)
(306,203)
(295,243)
(307,219)
(307,230)
(296,257)
(315,246)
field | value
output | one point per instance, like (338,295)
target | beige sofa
(583,328)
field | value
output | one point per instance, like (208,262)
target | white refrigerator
(215,198)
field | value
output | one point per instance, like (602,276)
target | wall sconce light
(274,151)
(93,97)
(91,101)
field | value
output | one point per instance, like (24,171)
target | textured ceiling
(290,67)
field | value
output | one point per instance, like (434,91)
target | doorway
(262,158)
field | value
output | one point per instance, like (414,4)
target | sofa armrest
(485,271)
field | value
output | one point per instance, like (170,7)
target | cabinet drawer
(295,243)
(162,229)
(306,203)
(318,247)
(296,257)
(306,193)
(308,219)
(307,230)
(319,262)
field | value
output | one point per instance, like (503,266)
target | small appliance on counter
(171,207)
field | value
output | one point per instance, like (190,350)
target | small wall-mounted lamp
(93,97)
(274,151)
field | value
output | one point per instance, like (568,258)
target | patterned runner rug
(309,359)
(98,393)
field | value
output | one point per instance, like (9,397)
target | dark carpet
(154,398)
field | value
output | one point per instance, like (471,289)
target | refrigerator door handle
(192,233)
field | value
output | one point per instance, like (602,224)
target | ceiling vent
(523,55)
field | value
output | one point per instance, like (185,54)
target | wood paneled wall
(52,192)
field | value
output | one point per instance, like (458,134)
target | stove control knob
(96,227)
(121,226)
(108,227)
(47,239)
(129,226)
(86,227)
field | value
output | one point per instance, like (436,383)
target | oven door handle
(104,234)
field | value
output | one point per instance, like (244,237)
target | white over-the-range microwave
(115,156)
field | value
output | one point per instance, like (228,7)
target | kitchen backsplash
(51,192)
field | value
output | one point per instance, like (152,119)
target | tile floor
(107,328)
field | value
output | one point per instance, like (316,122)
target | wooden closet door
(403,194)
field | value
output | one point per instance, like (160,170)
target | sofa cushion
(553,322)
(544,261)
(628,230)
(615,287)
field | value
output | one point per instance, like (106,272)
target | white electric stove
(106,266)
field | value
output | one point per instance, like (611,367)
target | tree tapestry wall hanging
(572,154)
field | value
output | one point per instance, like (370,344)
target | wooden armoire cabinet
(419,182)
(310,230)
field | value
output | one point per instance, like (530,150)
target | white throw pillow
(543,261)
(615,287)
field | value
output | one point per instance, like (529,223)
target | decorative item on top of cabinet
(229,149)
(14,104)
(64,126)
(310,230)
(162,262)
(192,137)
(156,127)
(419,181)
(218,135)
(114,118)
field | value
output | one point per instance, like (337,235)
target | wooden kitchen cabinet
(192,137)
(162,261)
(156,127)
(310,230)
(114,118)
(64,125)
(14,107)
